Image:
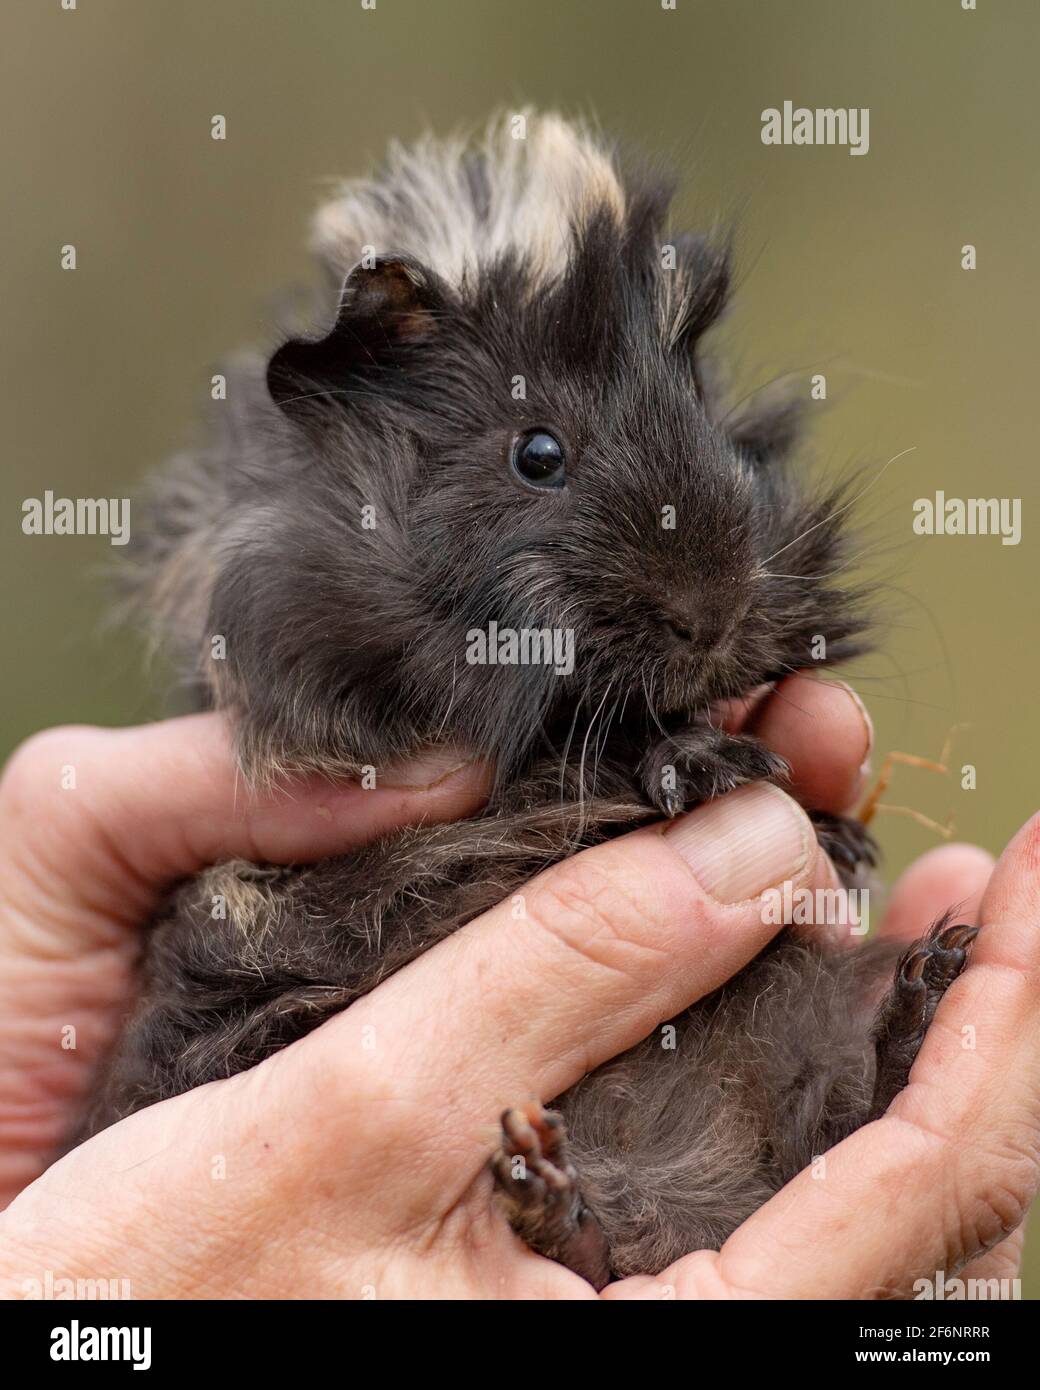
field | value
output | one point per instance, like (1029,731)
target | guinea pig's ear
(767,425)
(704,270)
(387,305)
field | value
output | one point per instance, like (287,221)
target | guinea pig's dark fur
(358,516)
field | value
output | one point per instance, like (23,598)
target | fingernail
(423,772)
(861,710)
(868,727)
(753,839)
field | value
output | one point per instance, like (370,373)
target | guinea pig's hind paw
(537,1186)
(924,974)
(849,844)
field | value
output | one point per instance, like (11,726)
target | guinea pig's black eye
(538,459)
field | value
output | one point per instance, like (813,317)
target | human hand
(351,1168)
(95,825)
(942,1182)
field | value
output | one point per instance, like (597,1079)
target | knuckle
(997,1184)
(599,914)
(33,770)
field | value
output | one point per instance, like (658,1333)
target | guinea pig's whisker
(584,751)
(567,747)
(843,508)
(451,698)
(650,703)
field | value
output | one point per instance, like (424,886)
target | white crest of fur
(424,203)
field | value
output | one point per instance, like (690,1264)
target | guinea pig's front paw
(701,762)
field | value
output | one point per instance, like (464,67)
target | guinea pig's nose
(699,631)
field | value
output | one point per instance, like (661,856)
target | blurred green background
(849,266)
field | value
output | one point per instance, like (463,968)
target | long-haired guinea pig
(505,425)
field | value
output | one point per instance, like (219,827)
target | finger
(820,726)
(587,960)
(116,814)
(950,876)
(1003,1262)
(823,730)
(948,1173)
(733,714)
